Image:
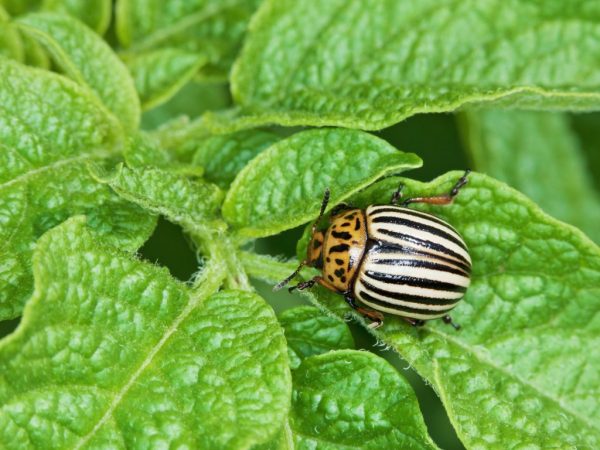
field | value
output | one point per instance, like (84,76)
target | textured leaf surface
(371,64)
(214,28)
(538,154)
(159,74)
(283,186)
(352,399)
(309,332)
(113,352)
(223,156)
(50,129)
(87,59)
(192,204)
(523,371)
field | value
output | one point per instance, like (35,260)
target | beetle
(390,258)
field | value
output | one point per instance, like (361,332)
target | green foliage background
(159,162)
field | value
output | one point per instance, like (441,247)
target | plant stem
(265,267)
(219,247)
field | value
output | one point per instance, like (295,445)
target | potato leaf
(88,60)
(309,332)
(159,74)
(524,368)
(214,28)
(113,352)
(283,186)
(370,64)
(50,129)
(352,399)
(539,154)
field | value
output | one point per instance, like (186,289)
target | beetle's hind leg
(414,322)
(448,320)
(445,199)
(375,317)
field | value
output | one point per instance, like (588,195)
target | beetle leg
(282,283)
(414,322)
(447,319)
(310,283)
(375,316)
(397,195)
(440,199)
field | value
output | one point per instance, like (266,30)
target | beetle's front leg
(310,283)
(440,199)
(375,316)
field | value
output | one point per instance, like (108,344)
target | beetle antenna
(324,203)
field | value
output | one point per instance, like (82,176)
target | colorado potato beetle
(391,258)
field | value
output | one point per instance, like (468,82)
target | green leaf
(214,28)
(50,129)
(283,186)
(524,369)
(87,59)
(309,332)
(159,74)
(353,399)
(144,151)
(113,352)
(11,45)
(516,147)
(192,204)
(223,156)
(96,14)
(370,64)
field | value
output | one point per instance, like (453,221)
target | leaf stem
(219,247)
(265,267)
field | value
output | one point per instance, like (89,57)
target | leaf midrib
(49,167)
(208,283)
(155,39)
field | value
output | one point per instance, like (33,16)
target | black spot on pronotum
(330,277)
(344,235)
(339,248)
(350,216)
(328,259)
(346,224)
(339,272)
(339,262)
(343,279)
(357,224)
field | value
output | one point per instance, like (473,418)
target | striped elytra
(391,259)
(415,266)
